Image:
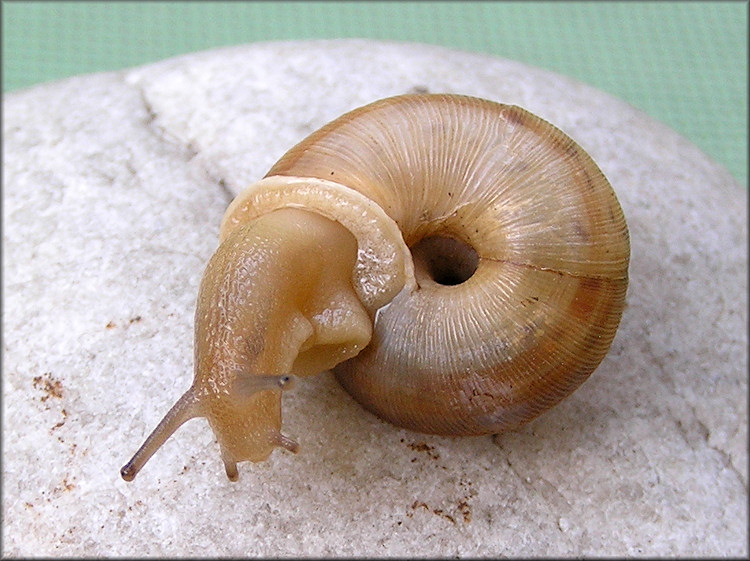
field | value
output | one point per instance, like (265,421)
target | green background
(683,63)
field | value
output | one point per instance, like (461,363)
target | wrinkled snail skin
(460,264)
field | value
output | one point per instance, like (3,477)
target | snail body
(460,264)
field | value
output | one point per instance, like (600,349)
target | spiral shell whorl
(539,313)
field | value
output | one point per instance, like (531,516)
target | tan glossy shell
(541,310)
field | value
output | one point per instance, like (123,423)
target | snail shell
(485,263)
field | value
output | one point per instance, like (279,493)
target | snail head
(276,300)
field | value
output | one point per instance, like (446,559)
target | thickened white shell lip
(384,265)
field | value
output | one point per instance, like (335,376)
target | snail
(460,264)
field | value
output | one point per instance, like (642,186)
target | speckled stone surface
(113,189)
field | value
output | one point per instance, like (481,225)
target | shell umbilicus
(460,264)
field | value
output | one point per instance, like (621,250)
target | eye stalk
(188,407)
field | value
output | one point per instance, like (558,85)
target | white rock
(114,186)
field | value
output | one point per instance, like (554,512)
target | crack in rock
(193,152)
